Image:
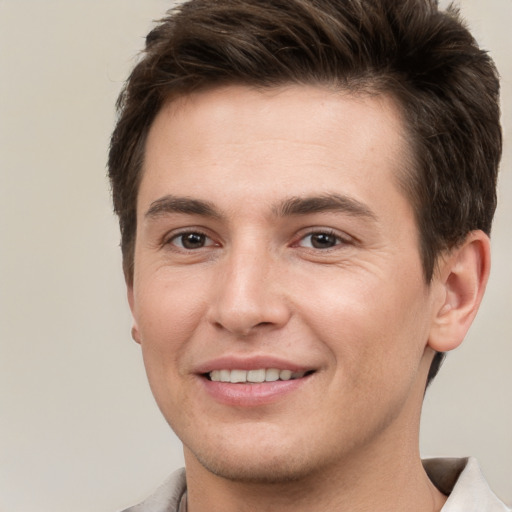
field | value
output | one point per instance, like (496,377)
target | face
(278,292)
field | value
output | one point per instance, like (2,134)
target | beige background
(79,430)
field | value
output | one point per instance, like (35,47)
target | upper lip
(249,363)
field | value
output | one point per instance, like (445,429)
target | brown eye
(320,240)
(192,240)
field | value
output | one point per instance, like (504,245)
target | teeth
(272,375)
(255,376)
(238,376)
(285,374)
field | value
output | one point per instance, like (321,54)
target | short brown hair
(446,86)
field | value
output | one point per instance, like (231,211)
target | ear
(135,330)
(462,277)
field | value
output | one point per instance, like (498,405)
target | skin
(337,288)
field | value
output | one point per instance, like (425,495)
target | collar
(462,481)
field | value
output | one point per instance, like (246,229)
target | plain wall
(79,430)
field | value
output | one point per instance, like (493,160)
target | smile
(254,387)
(254,376)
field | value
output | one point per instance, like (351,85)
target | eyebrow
(324,203)
(290,207)
(186,205)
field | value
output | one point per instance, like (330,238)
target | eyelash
(328,233)
(182,234)
(338,239)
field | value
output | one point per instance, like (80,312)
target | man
(305,191)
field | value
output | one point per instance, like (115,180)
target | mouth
(254,382)
(256,376)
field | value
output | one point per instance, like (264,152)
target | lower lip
(252,395)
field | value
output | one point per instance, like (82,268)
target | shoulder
(463,482)
(166,498)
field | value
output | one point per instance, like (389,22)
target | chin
(259,462)
(270,470)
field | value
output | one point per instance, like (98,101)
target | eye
(320,240)
(191,240)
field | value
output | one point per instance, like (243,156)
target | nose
(250,293)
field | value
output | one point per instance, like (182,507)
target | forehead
(296,138)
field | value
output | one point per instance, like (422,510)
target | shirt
(460,479)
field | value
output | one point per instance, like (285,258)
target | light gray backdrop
(79,431)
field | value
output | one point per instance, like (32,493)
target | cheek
(374,338)
(365,323)
(167,312)
(167,315)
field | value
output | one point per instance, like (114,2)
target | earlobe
(135,330)
(462,276)
(135,334)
